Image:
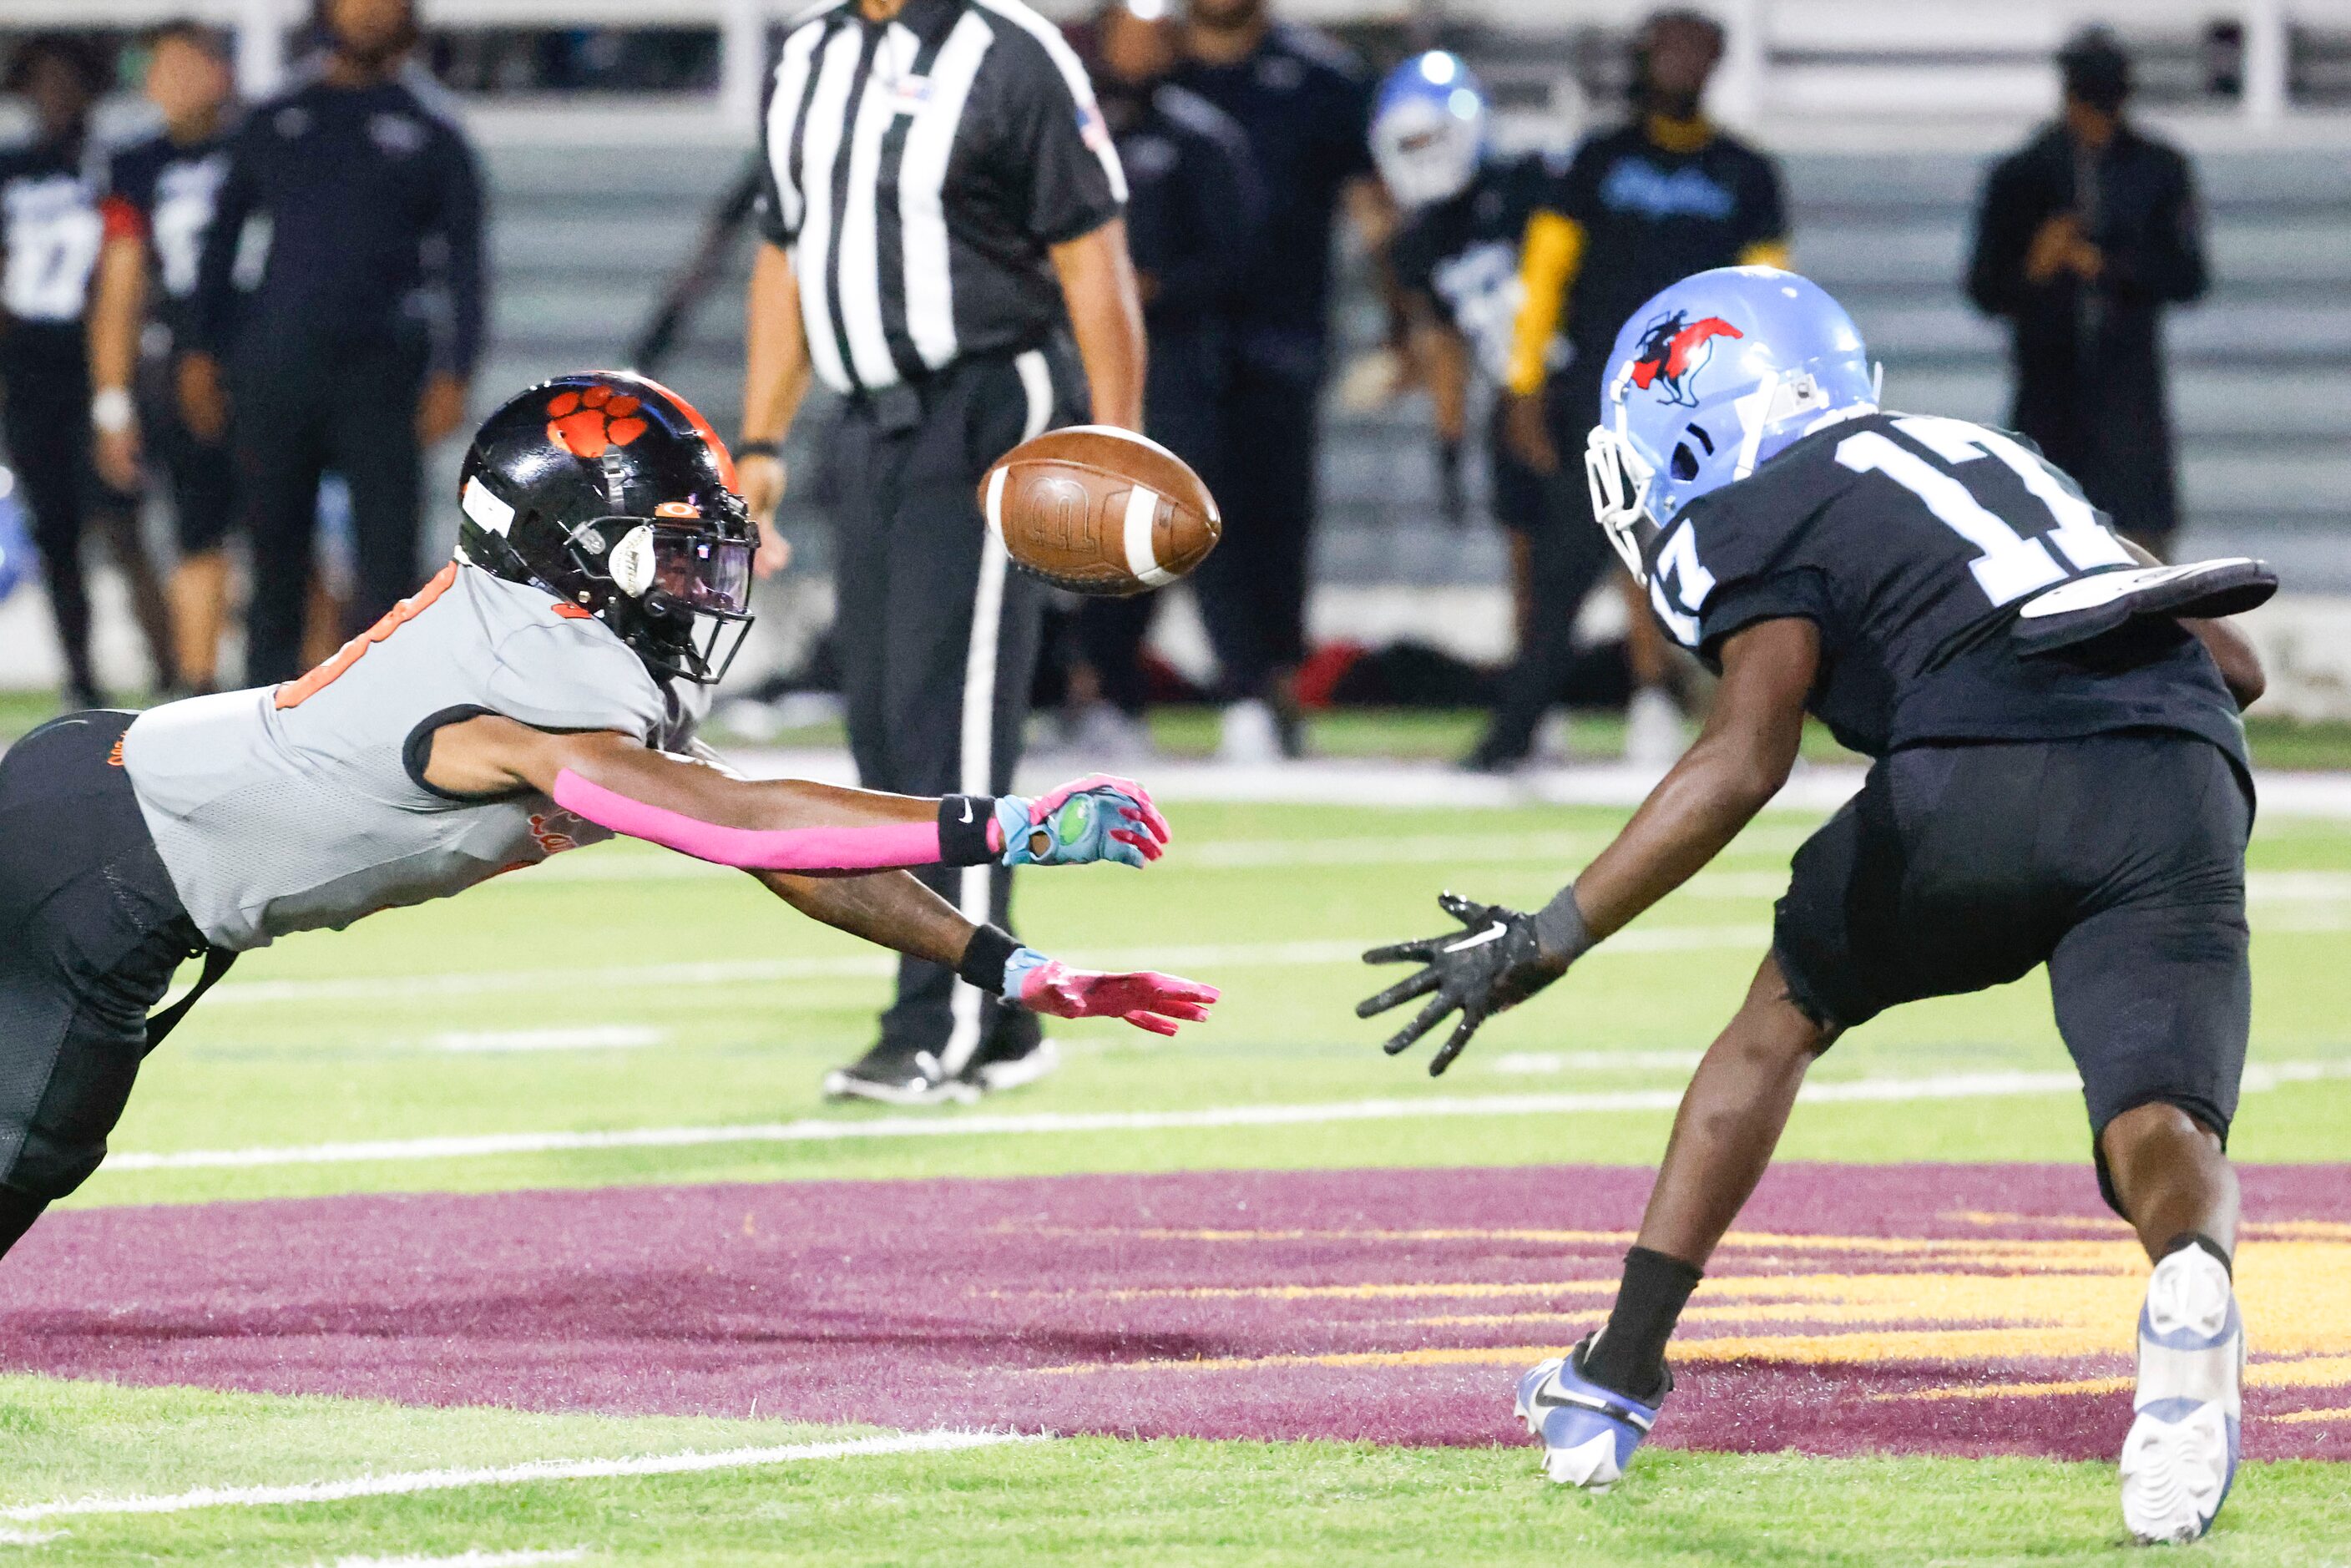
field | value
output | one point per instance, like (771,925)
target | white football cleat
(1588,1431)
(2181,1454)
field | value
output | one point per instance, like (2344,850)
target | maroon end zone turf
(1958,1309)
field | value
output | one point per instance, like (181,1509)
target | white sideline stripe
(815,1129)
(604,1037)
(474,1559)
(750,971)
(401,1483)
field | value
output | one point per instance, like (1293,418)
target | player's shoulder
(134,166)
(1029,52)
(1323,56)
(553,664)
(420,92)
(1731,148)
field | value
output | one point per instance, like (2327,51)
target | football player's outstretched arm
(820,848)
(790,824)
(1740,761)
(1501,956)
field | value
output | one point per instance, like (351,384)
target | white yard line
(401,1484)
(820,1130)
(593,1036)
(474,1559)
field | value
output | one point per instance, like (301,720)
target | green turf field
(622,990)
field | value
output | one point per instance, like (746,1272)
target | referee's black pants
(938,635)
(301,410)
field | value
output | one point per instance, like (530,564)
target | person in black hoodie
(51,232)
(2084,236)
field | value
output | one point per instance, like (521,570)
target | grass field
(568,1057)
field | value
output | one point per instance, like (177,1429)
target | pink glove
(1148,1000)
(1148,829)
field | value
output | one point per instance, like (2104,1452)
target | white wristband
(111,412)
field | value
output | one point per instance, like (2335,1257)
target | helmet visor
(708,572)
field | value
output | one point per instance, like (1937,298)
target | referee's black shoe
(896,1075)
(1016,1053)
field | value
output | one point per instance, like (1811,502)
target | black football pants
(1253,590)
(346,408)
(938,635)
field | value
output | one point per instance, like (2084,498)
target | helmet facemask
(677,589)
(1620,480)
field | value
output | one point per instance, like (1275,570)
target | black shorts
(91,933)
(2117,860)
(202,475)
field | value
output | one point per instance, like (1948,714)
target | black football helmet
(612,493)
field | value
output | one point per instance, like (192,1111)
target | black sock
(1629,1356)
(2187,1239)
(17,1212)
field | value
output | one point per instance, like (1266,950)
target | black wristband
(983,958)
(759,449)
(963,830)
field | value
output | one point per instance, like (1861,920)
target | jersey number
(50,260)
(294,693)
(2011,564)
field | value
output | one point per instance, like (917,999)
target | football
(1099,511)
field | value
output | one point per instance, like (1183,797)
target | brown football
(1100,510)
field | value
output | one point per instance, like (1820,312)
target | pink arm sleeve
(880,848)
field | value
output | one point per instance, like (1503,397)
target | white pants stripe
(976,775)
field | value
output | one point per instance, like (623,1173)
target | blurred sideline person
(1304,103)
(1194,210)
(534,695)
(50,227)
(338,313)
(943,250)
(158,204)
(1639,207)
(1456,260)
(2082,236)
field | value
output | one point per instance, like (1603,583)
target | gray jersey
(305,806)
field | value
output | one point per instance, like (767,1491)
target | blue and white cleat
(1588,1432)
(2181,1454)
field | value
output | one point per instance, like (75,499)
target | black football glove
(1498,961)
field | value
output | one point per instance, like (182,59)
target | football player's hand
(1148,1000)
(1098,818)
(203,400)
(441,411)
(1493,963)
(761,476)
(115,454)
(1524,432)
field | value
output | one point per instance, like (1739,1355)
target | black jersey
(1912,542)
(1305,103)
(51,230)
(1652,216)
(161,192)
(1463,252)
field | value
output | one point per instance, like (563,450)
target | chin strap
(886,846)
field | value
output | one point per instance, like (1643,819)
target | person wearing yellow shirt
(1640,206)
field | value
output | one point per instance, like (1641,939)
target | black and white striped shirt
(917,170)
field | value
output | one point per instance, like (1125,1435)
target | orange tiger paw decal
(586,422)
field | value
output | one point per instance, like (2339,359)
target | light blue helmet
(1713,376)
(1428,129)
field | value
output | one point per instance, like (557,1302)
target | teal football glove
(1098,818)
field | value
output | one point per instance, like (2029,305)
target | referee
(945,248)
